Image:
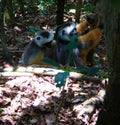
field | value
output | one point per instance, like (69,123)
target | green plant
(103,74)
(88,8)
(45,5)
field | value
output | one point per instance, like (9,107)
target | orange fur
(91,22)
(82,27)
(37,59)
(88,42)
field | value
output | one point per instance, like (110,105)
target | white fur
(67,30)
(42,39)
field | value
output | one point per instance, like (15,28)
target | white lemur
(62,39)
(37,49)
(85,43)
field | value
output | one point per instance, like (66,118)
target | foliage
(24,4)
(34,29)
(1,109)
(88,70)
(46,5)
(43,4)
(60,78)
(31,28)
(103,74)
(72,45)
(70,5)
(88,7)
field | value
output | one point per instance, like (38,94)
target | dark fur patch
(45,34)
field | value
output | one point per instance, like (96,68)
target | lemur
(62,40)
(85,44)
(90,22)
(89,35)
(37,49)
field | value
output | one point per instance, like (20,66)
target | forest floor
(30,98)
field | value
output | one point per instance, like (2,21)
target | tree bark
(110,113)
(60,12)
(9,6)
(3,39)
(78,10)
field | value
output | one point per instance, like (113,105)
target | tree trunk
(9,6)
(5,52)
(110,113)
(78,10)
(60,12)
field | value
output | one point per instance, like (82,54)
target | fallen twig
(21,71)
(14,74)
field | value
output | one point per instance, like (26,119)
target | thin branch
(47,71)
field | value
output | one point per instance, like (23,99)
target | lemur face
(43,38)
(66,31)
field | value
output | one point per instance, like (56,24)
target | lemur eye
(38,38)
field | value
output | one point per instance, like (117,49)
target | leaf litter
(35,100)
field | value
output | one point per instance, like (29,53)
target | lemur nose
(38,38)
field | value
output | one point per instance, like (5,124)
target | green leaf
(70,46)
(88,7)
(73,44)
(82,68)
(60,78)
(87,70)
(51,62)
(103,74)
(31,28)
(1,109)
(92,70)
